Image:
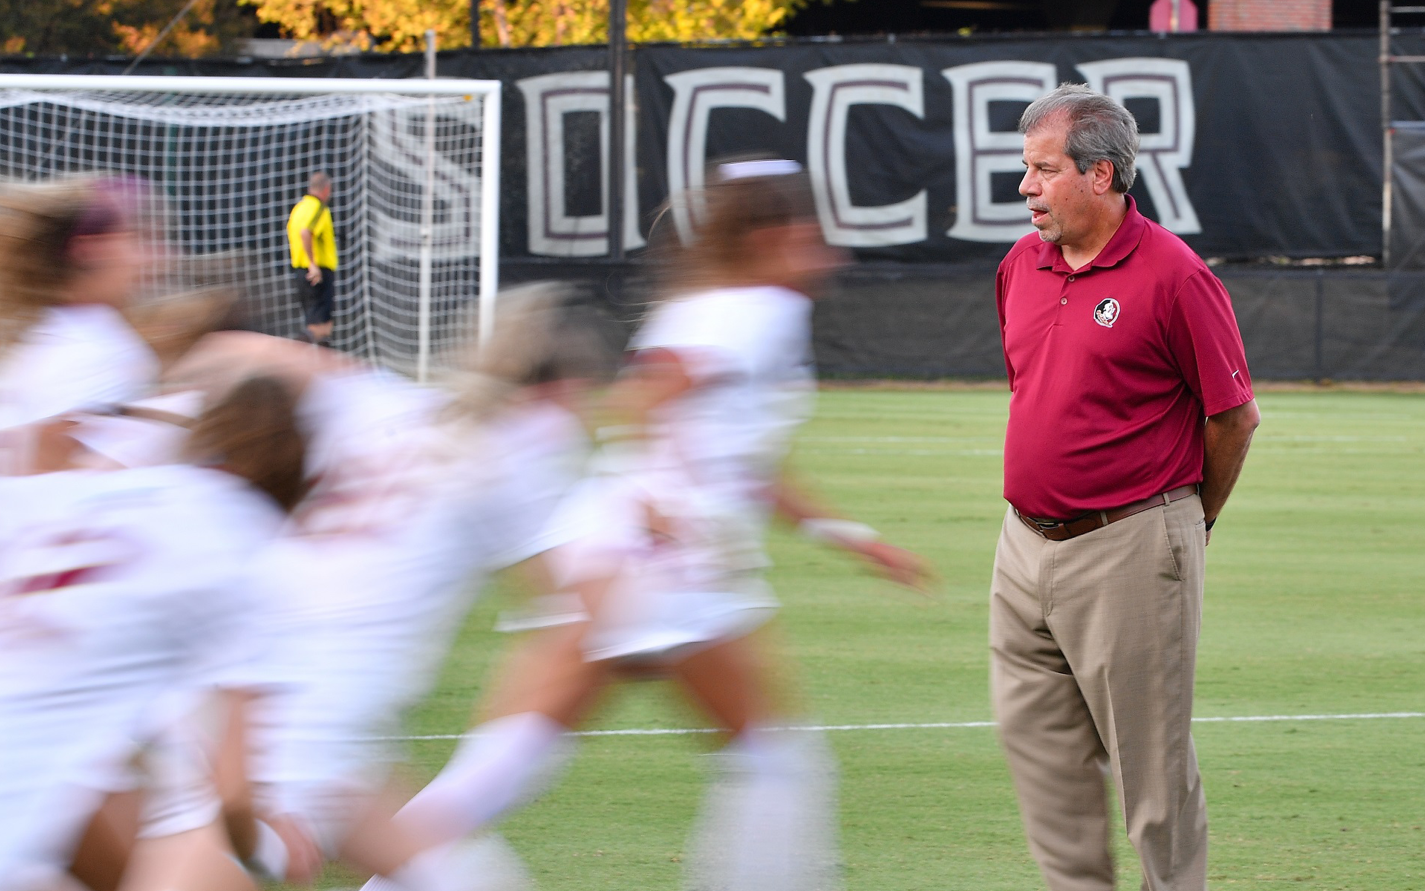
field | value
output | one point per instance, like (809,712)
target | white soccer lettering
(1163,155)
(695,94)
(981,152)
(834,91)
(397,139)
(552,231)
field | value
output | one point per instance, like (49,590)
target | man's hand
(314,272)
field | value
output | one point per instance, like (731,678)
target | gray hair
(1100,129)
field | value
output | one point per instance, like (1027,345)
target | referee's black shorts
(316,299)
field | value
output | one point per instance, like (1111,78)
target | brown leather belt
(1063,530)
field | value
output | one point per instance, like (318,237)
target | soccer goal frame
(18,89)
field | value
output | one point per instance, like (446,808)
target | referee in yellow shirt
(313,244)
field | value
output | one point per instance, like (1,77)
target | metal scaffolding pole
(618,104)
(1387,173)
(427,227)
(1387,126)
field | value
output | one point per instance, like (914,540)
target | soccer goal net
(414,166)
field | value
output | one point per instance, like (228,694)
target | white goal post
(415,165)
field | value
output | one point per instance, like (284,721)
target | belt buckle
(1040,523)
(1041,526)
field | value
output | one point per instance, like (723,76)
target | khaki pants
(1093,647)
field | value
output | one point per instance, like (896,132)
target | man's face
(1056,193)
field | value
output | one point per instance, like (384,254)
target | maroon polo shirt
(1112,369)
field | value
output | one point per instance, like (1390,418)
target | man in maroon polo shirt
(1130,417)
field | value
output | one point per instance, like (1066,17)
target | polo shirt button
(1071,278)
(1063,300)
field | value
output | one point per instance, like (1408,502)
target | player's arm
(795,503)
(658,376)
(653,378)
(1227,437)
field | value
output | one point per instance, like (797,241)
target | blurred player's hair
(39,223)
(252,431)
(541,335)
(734,210)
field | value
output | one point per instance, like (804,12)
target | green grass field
(1313,608)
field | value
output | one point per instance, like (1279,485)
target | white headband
(747,169)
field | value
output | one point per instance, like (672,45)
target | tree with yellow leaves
(554,22)
(401,24)
(104,27)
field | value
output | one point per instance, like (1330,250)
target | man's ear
(1102,176)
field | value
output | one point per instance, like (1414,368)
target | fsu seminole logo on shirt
(1106,313)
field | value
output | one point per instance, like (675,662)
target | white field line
(946,440)
(684,731)
(960,453)
(897,439)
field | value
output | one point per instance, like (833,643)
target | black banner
(1253,145)
(1250,146)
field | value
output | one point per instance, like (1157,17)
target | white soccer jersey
(748,351)
(404,504)
(541,449)
(390,490)
(76,357)
(713,454)
(370,577)
(118,591)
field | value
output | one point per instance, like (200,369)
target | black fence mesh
(1322,323)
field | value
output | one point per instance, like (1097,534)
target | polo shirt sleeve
(1206,344)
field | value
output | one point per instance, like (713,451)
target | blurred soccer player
(339,671)
(123,592)
(411,497)
(71,252)
(666,546)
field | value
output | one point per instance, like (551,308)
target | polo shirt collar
(1129,233)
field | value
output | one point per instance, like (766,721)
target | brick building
(1269,15)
